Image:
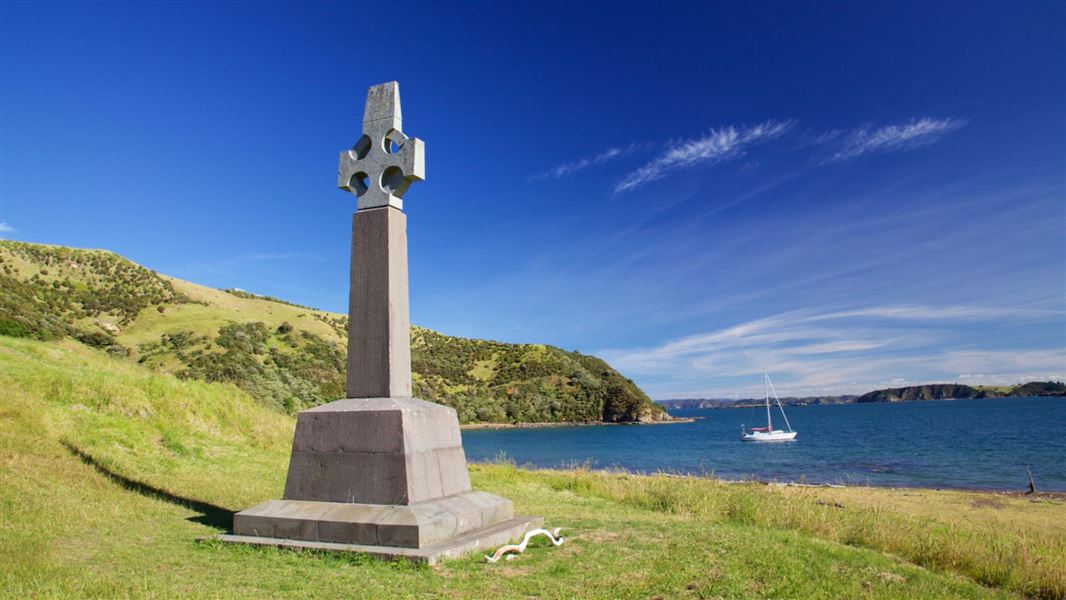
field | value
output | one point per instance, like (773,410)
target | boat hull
(768,436)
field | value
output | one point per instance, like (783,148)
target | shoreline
(1057,495)
(475,426)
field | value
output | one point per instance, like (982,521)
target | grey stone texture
(377,451)
(487,538)
(403,526)
(378,170)
(379,325)
(384,162)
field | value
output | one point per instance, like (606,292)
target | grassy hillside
(109,471)
(287,356)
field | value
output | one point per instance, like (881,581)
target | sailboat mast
(776,397)
(766,386)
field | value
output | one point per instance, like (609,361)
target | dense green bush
(487,381)
(96,339)
(288,380)
(13,328)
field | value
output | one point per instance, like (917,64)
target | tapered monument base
(384,476)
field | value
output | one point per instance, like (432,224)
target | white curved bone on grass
(519,548)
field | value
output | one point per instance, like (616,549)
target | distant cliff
(954,391)
(936,391)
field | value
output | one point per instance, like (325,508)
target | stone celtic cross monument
(379,471)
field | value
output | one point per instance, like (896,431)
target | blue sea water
(983,444)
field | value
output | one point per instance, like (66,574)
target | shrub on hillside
(13,328)
(87,283)
(291,381)
(96,339)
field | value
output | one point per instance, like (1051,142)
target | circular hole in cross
(394,141)
(362,147)
(392,181)
(359,183)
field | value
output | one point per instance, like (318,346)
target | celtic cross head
(384,162)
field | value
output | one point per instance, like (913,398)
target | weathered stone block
(339,431)
(493,508)
(408,526)
(423,429)
(348,477)
(423,475)
(467,514)
(454,476)
(351,523)
(481,540)
(377,451)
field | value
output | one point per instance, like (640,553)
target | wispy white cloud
(928,313)
(843,351)
(565,170)
(915,133)
(718,145)
(733,141)
(5,228)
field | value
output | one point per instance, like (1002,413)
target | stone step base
(484,539)
(403,525)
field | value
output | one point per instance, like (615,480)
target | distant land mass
(954,391)
(286,356)
(934,391)
(749,402)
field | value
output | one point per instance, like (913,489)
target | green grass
(217,309)
(1000,389)
(109,472)
(483,370)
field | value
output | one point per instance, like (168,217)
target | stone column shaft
(379,323)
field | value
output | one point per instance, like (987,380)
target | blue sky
(850,195)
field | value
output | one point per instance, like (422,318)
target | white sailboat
(768,433)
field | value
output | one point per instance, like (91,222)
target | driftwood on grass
(519,548)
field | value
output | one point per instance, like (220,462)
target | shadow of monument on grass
(210,514)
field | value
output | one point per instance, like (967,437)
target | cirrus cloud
(716,146)
(890,138)
(570,168)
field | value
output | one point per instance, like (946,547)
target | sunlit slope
(287,356)
(110,471)
(138,420)
(211,309)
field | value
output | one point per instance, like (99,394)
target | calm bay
(980,444)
